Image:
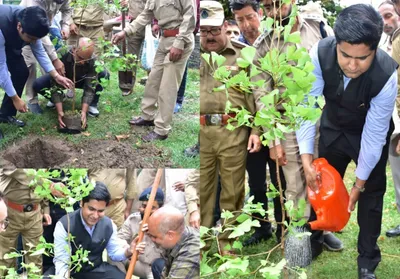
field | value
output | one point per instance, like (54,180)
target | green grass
(115,111)
(343,265)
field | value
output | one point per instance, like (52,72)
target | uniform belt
(112,202)
(215,119)
(84,27)
(22,207)
(169,32)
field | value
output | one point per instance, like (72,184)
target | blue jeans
(157,267)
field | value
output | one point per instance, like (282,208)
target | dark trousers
(256,167)
(104,271)
(370,203)
(157,267)
(19,74)
(45,82)
(182,88)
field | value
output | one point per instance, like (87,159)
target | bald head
(85,50)
(166,226)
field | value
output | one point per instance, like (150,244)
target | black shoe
(12,120)
(192,151)
(332,243)
(35,108)
(393,232)
(258,236)
(364,273)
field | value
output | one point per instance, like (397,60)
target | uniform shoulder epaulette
(135,215)
(261,38)
(238,44)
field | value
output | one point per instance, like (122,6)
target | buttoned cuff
(179,44)
(362,173)
(192,206)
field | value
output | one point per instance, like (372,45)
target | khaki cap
(211,13)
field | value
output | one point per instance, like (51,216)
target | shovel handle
(123,27)
(146,216)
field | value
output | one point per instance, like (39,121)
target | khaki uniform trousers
(116,212)
(394,160)
(134,45)
(29,224)
(224,152)
(31,63)
(94,33)
(294,172)
(162,85)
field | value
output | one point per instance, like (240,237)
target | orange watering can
(331,202)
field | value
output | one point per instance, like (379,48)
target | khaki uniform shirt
(128,232)
(395,40)
(192,187)
(136,7)
(14,183)
(93,16)
(117,181)
(171,14)
(310,34)
(215,102)
(51,8)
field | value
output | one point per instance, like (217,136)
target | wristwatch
(361,189)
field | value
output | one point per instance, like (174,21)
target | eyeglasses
(4,224)
(214,32)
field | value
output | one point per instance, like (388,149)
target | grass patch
(115,111)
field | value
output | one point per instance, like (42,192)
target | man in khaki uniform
(222,151)
(52,8)
(118,182)
(177,20)
(27,214)
(312,28)
(130,230)
(89,25)
(192,188)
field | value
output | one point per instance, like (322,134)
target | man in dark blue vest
(21,26)
(95,233)
(359,83)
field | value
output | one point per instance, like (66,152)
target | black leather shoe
(1,135)
(152,136)
(138,121)
(364,273)
(258,236)
(393,232)
(12,120)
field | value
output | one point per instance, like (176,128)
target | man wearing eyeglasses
(222,151)
(85,78)
(3,214)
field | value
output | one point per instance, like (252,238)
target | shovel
(125,78)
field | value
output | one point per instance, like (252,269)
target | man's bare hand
(354,195)
(155,30)
(194,219)
(65,33)
(124,3)
(60,121)
(73,29)
(175,54)
(64,82)
(19,104)
(398,147)
(59,66)
(313,178)
(254,144)
(117,38)
(83,120)
(179,186)
(54,190)
(46,220)
(278,151)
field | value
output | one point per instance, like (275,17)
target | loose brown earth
(45,152)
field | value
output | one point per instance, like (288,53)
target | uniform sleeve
(66,14)
(144,18)
(131,189)
(188,24)
(125,233)
(5,81)
(396,56)
(49,48)
(192,186)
